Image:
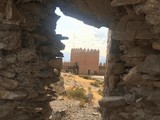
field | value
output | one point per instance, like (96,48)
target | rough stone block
(113,81)
(6,109)
(116,68)
(151,65)
(2,65)
(133,77)
(7,74)
(156,45)
(129,61)
(11,58)
(133,25)
(12,95)
(56,63)
(114,57)
(122,36)
(137,52)
(10,40)
(126,2)
(113,102)
(144,35)
(26,55)
(31,93)
(8,83)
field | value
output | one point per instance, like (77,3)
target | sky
(81,36)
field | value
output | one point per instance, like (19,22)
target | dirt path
(70,110)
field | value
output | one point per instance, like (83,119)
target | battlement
(80,50)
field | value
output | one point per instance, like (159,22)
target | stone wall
(132,67)
(28,49)
(132,76)
(30,57)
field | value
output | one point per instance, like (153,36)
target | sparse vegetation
(96,83)
(100,92)
(76,93)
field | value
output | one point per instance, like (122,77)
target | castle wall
(88,60)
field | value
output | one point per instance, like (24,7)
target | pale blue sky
(81,36)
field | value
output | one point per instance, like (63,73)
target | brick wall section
(86,59)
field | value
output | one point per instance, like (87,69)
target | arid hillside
(79,99)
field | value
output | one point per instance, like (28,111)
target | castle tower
(87,60)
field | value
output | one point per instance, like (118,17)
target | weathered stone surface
(123,36)
(137,52)
(12,95)
(7,74)
(133,77)
(113,81)
(10,40)
(2,65)
(156,45)
(112,102)
(39,37)
(56,63)
(114,57)
(145,35)
(11,58)
(132,61)
(116,68)
(45,74)
(151,65)
(8,83)
(126,2)
(150,93)
(32,94)
(6,109)
(2,45)
(130,99)
(129,28)
(26,55)
(150,77)
(133,25)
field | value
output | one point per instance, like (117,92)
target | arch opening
(30,57)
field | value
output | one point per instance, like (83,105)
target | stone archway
(29,49)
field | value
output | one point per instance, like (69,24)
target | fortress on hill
(83,61)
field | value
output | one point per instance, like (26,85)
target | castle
(83,61)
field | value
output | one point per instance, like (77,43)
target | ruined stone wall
(30,52)
(132,76)
(28,47)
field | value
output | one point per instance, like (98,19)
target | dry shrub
(76,93)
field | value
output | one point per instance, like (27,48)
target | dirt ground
(69,109)
(71,80)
